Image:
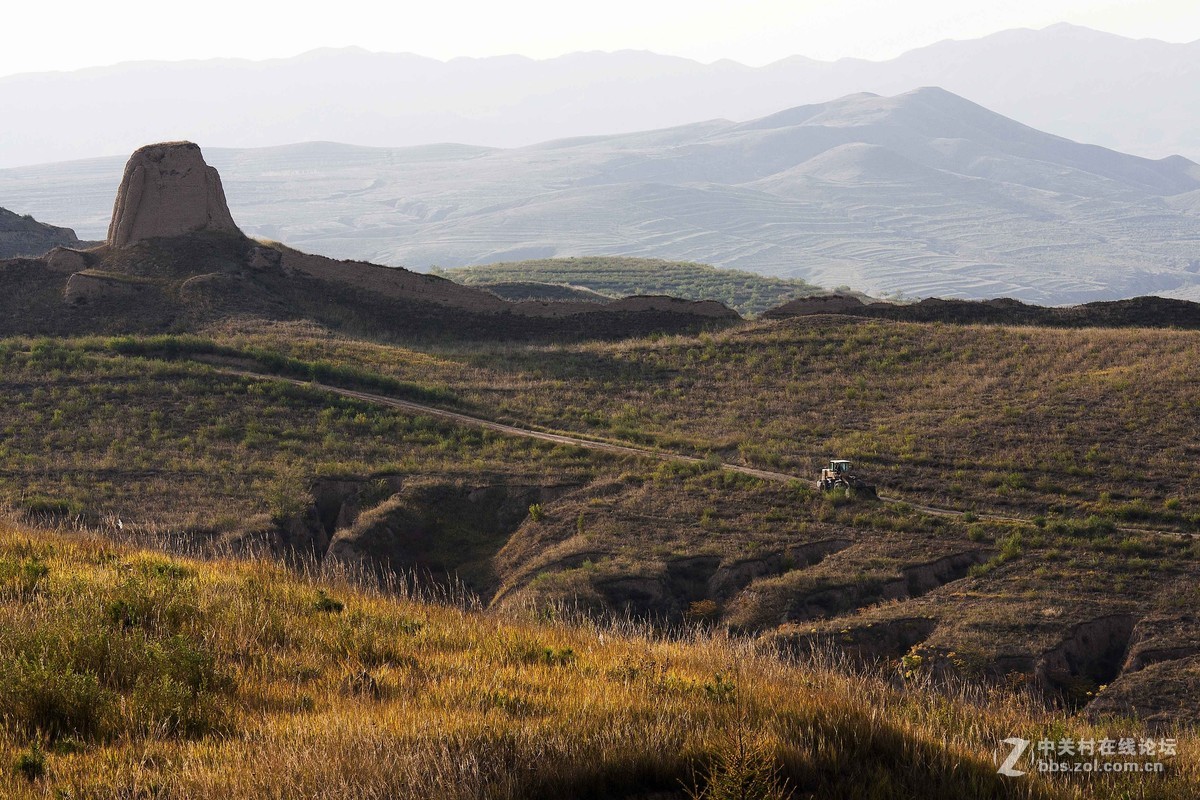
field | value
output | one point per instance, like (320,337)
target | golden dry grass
(241,679)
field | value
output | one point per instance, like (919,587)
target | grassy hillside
(747,293)
(1025,421)
(128,673)
(105,427)
(1042,427)
(1018,420)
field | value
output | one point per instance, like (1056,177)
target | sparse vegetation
(132,428)
(146,436)
(88,440)
(960,416)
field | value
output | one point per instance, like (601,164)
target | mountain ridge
(931,195)
(1070,81)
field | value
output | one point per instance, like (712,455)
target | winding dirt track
(511,430)
(608,447)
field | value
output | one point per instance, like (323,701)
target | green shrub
(21,580)
(112,657)
(721,689)
(166,705)
(326,604)
(40,699)
(1011,547)
(744,769)
(557,657)
(977,533)
(31,764)
(40,505)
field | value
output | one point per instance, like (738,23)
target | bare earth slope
(25,236)
(1136,312)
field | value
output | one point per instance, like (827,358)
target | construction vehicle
(840,475)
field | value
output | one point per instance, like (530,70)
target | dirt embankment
(1144,312)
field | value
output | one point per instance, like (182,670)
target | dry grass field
(134,674)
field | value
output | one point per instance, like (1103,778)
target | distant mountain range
(1138,96)
(924,193)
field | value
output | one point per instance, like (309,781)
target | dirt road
(608,447)
(511,430)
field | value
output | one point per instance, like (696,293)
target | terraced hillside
(747,293)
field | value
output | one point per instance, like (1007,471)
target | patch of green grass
(31,764)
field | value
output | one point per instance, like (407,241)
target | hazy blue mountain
(1138,96)
(924,193)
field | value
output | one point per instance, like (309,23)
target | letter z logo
(1019,746)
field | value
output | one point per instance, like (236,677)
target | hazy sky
(80,33)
